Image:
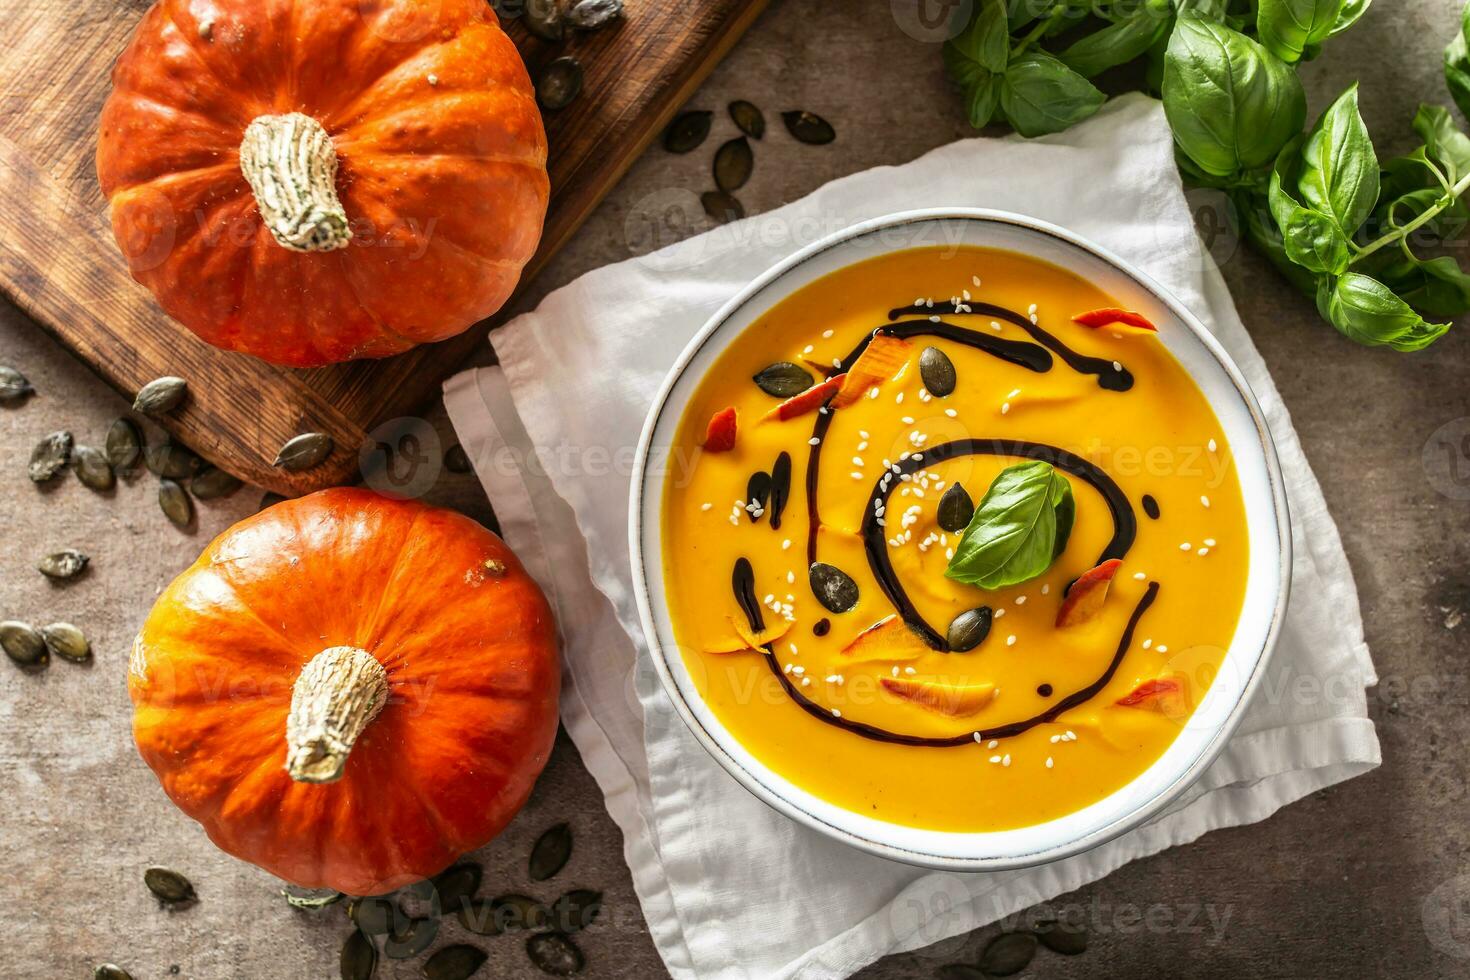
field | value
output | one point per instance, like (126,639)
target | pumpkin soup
(961,545)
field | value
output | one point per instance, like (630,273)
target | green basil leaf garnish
(1119,42)
(982,48)
(1367,311)
(1041,95)
(1339,175)
(1288,27)
(1018,530)
(1311,239)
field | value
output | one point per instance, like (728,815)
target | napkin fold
(730,888)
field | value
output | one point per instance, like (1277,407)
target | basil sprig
(1019,529)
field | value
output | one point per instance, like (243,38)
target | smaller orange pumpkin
(348,690)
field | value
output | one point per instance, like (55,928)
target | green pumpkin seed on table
(49,456)
(23,644)
(67,642)
(687,130)
(559,83)
(124,444)
(748,118)
(576,910)
(551,852)
(359,957)
(808,127)
(457,962)
(63,565)
(169,886)
(722,207)
(304,451)
(555,954)
(92,468)
(733,164)
(161,395)
(593,15)
(175,503)
(13,385)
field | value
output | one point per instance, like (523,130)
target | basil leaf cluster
(1019,529)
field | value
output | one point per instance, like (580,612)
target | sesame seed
(1148,643)
(806,682)
(798,671)
(433,79)
(790,578)
(1204,501)
(1011,640)
(705,506)
(858,461)
(1005,408)
(999,613)
(995,758)
(1184,546)
(862,433)
(966,294)
(1071,735)
(807,349)
(813,441)
(1006,759)
(793,645)
(898,399)
(1212,446)
(837,362)
(786,544)
(951,413)
(1117,365)
(1031,310)
(836,713)
(1140,576)
(1210,542)
(974,280)
(1163,649)
(993,743)
(995,325)
(1202,552)
(895,672)
(1048,762)
(1020,600)
(873,392)
(1014,393)
(1055,739)
(786,669)
(862,445)
(977,736)
(933,318)
(1046,590)
(826,334)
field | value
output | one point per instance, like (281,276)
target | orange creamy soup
(956,562)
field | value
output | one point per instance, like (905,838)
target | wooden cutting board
(59,263)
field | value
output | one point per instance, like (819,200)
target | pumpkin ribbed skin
(441,170)
(472,674)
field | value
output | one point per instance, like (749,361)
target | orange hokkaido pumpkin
(311,181)
(348,690)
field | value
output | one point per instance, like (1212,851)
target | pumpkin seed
(955,508)
(416,936)
(959,971)
(555,954)
(559,83)
(457,884)
(168,886)
(742,580)
(13,385)
(517,912)
(23,644)
(551,852)
(749,118)
(591,15)
(374,915)
(456,460)
(479,916)
(544,19)
(1062,937)
(733,163)
(1008,953)
(175,503)
(211,482)
(67,642)
(49,456)
(575,910)
(757,494)
(783,379)
(780,488)
(937,372)
(722,207)
(111,971)
(172,460)
(969,629)
(304,451)
(92,468)
(359,957)
(688,130)
(310,902)
(65,564)
(457,962)
(808,127)
(161,395)
(833,587)
(124,445)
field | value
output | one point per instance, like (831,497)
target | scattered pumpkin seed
(591,15)
(749,118)
(13,385)
(479,916)
(722,207)
(937,372)
(1008,953)
(518,912)
(172,460)
(960,971)
(374,915)
(1062,937)
(304,451)
(92,468)
(175,503)
(733,163)
(168,886)
(65,564)
(457,884)
(458,962)
(969,629)
(551,852)
(67,642)
(544,19)
(688,130)
(808,127)
(124,445)
(211,482)
(456,460)
(833,587)
(49,456)
(560,83)
(783,379)
(416,936)
(311,902)
(161,395)
(111,971)
(758,493)
(780,488)
(359,957)
(955,508)
(575,910)
(23,644)
(555,954)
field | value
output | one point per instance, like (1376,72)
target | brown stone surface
(1341,884)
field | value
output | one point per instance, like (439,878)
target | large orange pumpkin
(348,690)
(311,181)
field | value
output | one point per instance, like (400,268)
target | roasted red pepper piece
(1113,314)
(808,401)
(720,436)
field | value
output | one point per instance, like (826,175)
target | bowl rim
(1147,808)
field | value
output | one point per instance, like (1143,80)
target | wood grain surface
(59,263)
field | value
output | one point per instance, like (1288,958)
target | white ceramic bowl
(1207,731)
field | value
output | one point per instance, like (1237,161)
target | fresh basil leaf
(1367,311)
(1012,537)
(1041,95)
(1457,72)
(1311,239)
(1263,234)
(1444,143)
(1119,42)
(1211,10)
(1066,508)
(981,101)
(1288,27)
(1231,103)
(1435,287)
(1339,173)
(1351,11)
(982,48)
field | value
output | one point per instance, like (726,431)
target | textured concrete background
(1371,878)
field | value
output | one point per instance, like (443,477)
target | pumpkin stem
(291,167)
(338,693)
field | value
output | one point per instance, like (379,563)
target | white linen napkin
(730,888)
